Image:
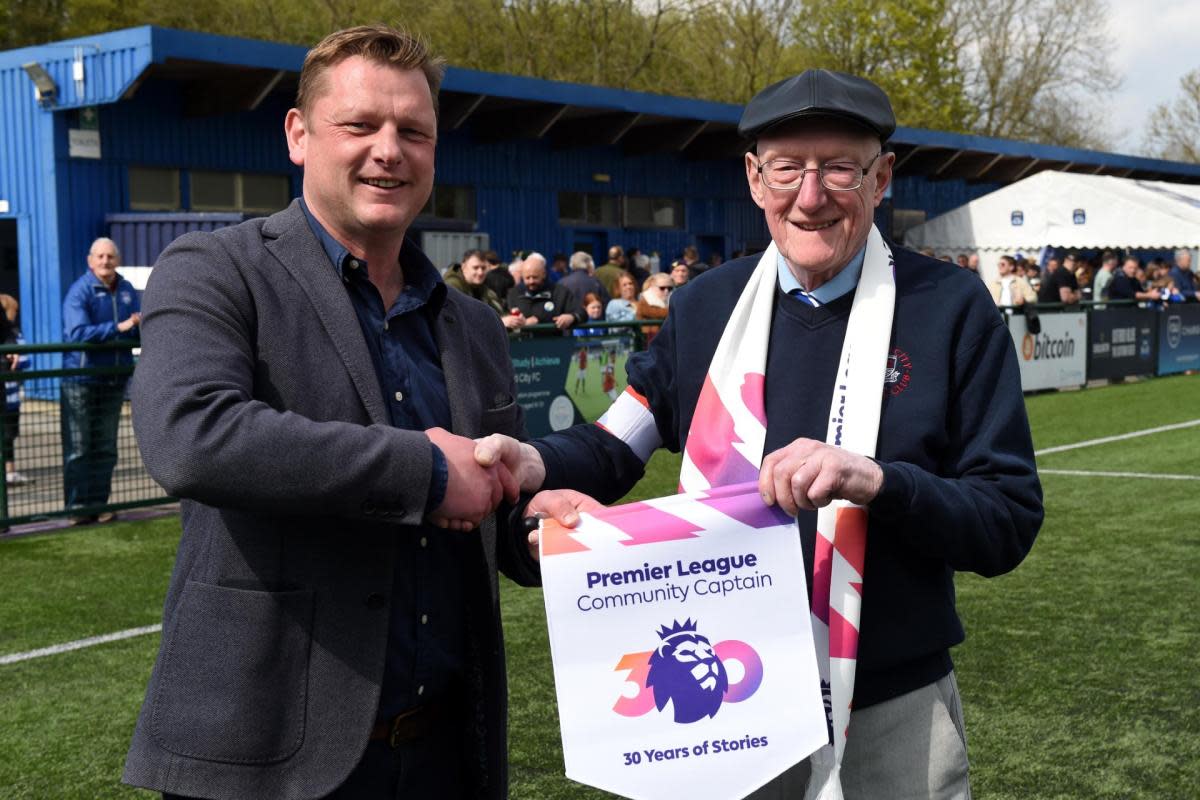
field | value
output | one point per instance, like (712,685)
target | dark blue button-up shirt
(427,643)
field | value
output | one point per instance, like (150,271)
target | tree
(1174,131)
(26,22)
(1036,69)
(733,48)
(906,47)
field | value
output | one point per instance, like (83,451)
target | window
(265,192)
(153,189)
(451,202)
(214,191)
(588,208)
(571,206)
(653,212)
(237,191)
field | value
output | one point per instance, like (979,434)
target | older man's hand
(561,505)
(473,490)
(808,475)
(522,460)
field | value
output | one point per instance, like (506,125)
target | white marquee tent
(1067,210)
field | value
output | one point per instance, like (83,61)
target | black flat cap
(820,93)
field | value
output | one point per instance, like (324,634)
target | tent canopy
(1063,209)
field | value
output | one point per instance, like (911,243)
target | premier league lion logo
(685,671)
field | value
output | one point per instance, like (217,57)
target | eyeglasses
(666,287)
(783,175)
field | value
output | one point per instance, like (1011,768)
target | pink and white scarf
(725,446)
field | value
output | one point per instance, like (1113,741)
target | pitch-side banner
(1057,356)
(683,656)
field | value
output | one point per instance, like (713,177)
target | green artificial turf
(1079,673)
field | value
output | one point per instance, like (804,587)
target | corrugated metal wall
(517,185)
(152,130)
(57,200)
(936,197)
(142,237)
(27,184)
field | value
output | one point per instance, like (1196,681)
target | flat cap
(820,93)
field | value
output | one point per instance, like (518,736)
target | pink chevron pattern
(646,524)
(822,575)
(850,541)
(557,539)
(754,394)
(742,502)
(711,436)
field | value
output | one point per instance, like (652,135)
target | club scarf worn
(725,446)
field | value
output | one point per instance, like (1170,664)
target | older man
(581,280)
(100,306)
(876,396)
(1185,280)
(533,301)
(299,382)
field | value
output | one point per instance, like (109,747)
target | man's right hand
(472,491)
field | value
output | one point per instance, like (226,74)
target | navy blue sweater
(960,486)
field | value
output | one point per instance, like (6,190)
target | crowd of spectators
(1075,277)
(572,292)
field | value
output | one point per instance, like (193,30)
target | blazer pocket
(233,682)
(502,419)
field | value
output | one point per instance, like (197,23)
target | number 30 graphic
(638,667)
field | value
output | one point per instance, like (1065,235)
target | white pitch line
(1133,435)
(1091,473)
(78,644)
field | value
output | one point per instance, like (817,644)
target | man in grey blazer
(332,623)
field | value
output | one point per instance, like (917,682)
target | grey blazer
(256,401)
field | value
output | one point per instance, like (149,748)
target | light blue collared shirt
(842,283)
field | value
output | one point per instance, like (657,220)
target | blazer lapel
(466,411)
(454,347)
(291,240)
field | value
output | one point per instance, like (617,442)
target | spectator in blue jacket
(1183,277)
(100,306)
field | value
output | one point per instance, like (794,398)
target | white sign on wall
(683,653)
(1057,356)
(83,144)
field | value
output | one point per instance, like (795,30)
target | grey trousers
(912,747)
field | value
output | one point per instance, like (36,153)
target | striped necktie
(804,297)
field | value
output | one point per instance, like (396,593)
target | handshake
(482,472)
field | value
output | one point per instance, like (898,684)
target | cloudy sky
(1154,42)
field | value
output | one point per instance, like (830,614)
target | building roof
(220,74)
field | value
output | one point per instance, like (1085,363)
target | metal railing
(637,326)
(89,422)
